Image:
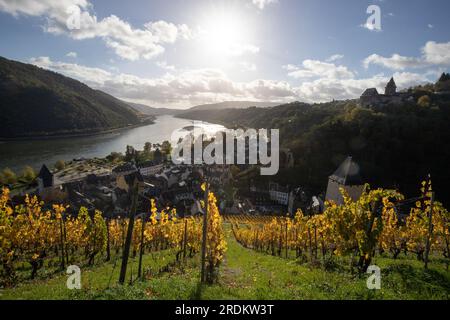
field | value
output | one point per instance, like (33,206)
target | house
(124,169)
(369,96)
(279,194)
(150,168)
(49,188)
(347,177)
(126,182)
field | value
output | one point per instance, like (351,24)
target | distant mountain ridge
(233,105)
(144,109)
(35,102)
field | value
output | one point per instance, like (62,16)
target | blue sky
(181,53)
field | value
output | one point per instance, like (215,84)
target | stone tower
(391,88)
(45,178)
(347,177)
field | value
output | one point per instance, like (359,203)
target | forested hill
(34,101)
(396,146)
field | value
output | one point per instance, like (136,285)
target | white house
(150,168)
(279,194)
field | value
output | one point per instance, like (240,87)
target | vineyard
(30,235)
(358,229)
(246,256)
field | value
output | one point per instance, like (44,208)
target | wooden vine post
(126,249)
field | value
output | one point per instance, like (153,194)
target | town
(98,184)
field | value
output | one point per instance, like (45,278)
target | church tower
(391,88)
(347,177)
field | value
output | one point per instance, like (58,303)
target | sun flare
(223,34)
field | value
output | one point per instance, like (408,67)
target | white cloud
(55,9)
(433,54)
(165,66)
(315,68)
(71,54)
(247,66)
(396,61)
(261,4)
(239,49)
(335,57)
(92,76)
(183,89)
(192,87)
(127,42)
(430,26)
(437,53)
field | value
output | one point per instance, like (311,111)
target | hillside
(151,111)
(35,102)
(396,146)
(233,105)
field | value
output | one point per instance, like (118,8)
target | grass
(246,274)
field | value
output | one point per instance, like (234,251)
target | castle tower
(347,177)
(45,179)
(391,88)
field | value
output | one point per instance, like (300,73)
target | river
(17,154)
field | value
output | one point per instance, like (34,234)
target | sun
(222,33)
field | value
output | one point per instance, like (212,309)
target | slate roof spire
(46,176)
(348,173)
(391,88)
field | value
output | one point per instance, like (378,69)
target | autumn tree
(424,101)
(9,176)
(60,165)
(29,174)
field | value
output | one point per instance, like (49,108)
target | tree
(29,174)
(7,274)
(9,176)
(60,165)
(115,157)
(147,148)
(166,147)
(130,153)
(157,155)
(424,101)
(234,171)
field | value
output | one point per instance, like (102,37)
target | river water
(17,154)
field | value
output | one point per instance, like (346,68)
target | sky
(182,53)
